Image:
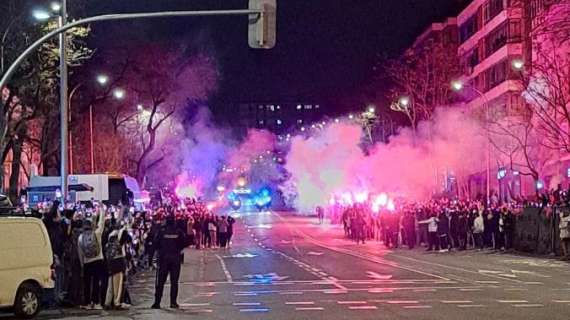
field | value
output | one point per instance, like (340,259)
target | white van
(25,264)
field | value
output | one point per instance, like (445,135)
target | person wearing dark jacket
(169,244)
(443,232)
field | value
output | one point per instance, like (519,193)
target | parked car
(25,264)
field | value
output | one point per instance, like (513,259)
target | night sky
(325,50)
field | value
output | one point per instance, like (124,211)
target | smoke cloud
(332,161)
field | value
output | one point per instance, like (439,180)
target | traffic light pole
(63,27)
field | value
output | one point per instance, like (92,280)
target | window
(308,106)
(279,122)
(491,9)
(496,74)
(299,107)
(507,32)
(468,29)
(300,121)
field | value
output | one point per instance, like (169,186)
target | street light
(371,109)
(458,85)
(517,64)
(41,15)
(102,79)
(119,93)
(140,107)
(55,6)
(351,116)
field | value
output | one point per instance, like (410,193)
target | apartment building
(491,37)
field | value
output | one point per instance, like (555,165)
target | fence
(536,230)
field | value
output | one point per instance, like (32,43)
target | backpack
(89,244)
(113,249)
(116,262)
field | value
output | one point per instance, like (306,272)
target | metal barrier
(536,230)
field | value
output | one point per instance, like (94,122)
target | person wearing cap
(169,243)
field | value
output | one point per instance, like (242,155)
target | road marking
(457,301)
(299,303)
(516,289)
(225,269)
(470,305)
(363,307)
(246,304)
(469,290)
(291,292)
(377,276)
(254,310)
(203,310)
(512,301)
(245,294)
(334,291)
(402,302)
(561,301)
(194,304)
(533,282)
(351,302)
(309,309)
(381,290)
(532,305)
(417,307)
(487,282)
(425,290)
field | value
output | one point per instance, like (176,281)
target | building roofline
(437,26)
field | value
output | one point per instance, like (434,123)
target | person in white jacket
(478,230)
(91,257)
(432,232)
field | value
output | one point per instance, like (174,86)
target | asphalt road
(286,267)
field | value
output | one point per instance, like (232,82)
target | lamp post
(458,85)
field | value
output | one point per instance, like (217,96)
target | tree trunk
(13,189)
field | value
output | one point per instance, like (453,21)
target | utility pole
(63,103)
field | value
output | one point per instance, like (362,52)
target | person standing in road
(564,227)
(91,257)
(169,244)
(223,232)
(478,230)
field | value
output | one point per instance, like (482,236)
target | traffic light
(261,30)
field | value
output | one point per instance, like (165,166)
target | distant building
(277,117)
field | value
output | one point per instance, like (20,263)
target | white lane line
(254,310)
(512,301)
(470,306)
(516,289)
(203,310)
(309,309)
(533,282)
(402,302)
(299,303)
(245,294)
(561,301)
(363,307)
(225,269)
(194,304)
(333,291)
(456,301)
(531,305)
(291,293)
(424,290)
(487,282)
(417,307)
(245,304)
(351,302)
(469,290)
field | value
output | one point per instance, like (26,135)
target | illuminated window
(299,107)
(300,121)
(279,122)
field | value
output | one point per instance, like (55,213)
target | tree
(421,80)
(160,80)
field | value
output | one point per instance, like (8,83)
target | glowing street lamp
(41,15)
(119,93)
(457,85)
(351,116)
(371,109)
(140,107)
(55,6)
(102,79)
(517,64)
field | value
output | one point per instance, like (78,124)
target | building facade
(277,117)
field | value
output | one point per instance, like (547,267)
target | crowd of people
(442,224)
(97,250)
